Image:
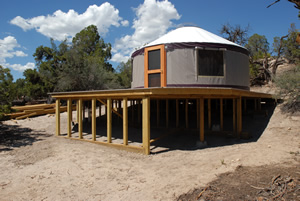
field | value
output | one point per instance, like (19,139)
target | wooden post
(139,111)
(259,104)
(77,111)
(221,115)
(198,113)
(209,113)
(177,113)
(132,110)
(99,110)
(94,119)
(201,120)
(239,116)
(255,104)
(167,113)
(157,113)
(57,115)
(109,120)
(234,114)
(80,118)
(83,108)
(146,125)
(245,104)
(125,121)
(69,110)
(186,113)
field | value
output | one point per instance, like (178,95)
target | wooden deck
(141,99)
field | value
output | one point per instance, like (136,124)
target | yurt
(190,57)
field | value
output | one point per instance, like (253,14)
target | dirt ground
(36,165)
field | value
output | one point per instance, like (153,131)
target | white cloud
(153,19)
(61,25)
(19,67)
(8,47)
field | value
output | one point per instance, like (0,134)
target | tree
(235,34)
(291,48)
(295,2)
(124,75)
(6,91)
(81,65)
(258,48)
(34,84)
(86,66)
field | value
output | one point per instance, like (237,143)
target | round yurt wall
(193,58)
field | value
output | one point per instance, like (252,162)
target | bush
(289,88)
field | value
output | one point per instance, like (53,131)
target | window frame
(223,50)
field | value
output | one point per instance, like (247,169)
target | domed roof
(190,35)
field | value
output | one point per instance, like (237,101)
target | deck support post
(83,112)
(80,118)
(239,116)
(186,113)
(157,113)
(221,115)
(139,111)
(146,125)
(259,104)
(209,113)
(198,113)
(234,115)
(202,120)
(69,110)
(57,115)
(167,113)
(94,119)
(100,110)
(77,111)
(177,113)
(109,119)
(125,121)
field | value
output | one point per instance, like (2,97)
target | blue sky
(126,24)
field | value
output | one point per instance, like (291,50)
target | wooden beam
(209,113)
(135,149)
(109,119)
(234,114)
(239,116)
(94,119)
(167,113)
(146,125)
(113,109)
(221,115)
(186,113)
(69,110)
(202,120)
(80,119)
(125,121)
(177,113)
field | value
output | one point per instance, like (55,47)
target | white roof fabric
(190,34)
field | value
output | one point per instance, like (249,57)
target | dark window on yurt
(210,63)
(154,59)
(154,80)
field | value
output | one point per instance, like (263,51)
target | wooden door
(155,66)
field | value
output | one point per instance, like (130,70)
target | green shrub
(289,88)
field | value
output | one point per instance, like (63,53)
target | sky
(127,24)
